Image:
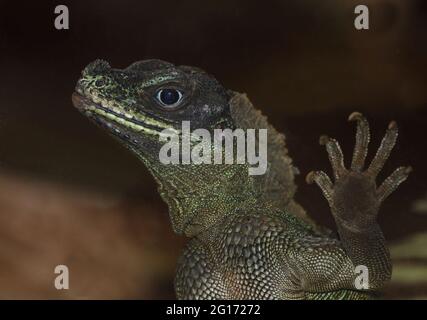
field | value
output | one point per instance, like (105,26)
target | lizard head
(137,103)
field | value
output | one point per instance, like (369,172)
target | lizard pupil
(169,97)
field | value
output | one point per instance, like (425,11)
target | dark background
(69,194)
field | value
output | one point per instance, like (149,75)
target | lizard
(248,237)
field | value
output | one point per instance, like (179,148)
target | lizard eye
(169,98)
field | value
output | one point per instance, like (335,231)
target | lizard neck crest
(277,184)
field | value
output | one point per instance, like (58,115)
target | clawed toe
(336,157)
(362,141)
(384,150)
(323,181)
(392,182)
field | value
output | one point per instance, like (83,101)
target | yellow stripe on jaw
(131,115)
(129,124)
(94,97)
(138,117)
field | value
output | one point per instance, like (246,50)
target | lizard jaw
(105,114)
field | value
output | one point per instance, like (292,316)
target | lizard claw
(309,178)
(392,125)
(355,116)
(323,140)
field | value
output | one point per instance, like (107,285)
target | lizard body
(248,238)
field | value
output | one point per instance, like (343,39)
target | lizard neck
(199,196)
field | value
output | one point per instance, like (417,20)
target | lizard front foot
(354,197)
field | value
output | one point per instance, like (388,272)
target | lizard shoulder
(248,255)
(197,276)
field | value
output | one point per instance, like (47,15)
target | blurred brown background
(69,194)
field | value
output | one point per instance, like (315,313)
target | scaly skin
(248,238)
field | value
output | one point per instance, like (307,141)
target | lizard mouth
(107,116)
